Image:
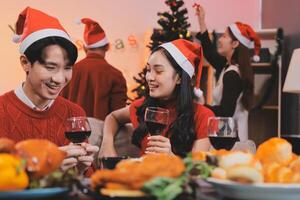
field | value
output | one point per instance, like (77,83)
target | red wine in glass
(155,128)
(77,129)
(77,136)
(219,142)
(222,132)
(156,120)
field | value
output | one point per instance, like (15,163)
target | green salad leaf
(164,188)
(170,188)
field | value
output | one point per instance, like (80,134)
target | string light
(188,34)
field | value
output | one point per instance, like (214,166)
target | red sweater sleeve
(202,114)
(132,110)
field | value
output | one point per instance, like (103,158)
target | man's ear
(25,63)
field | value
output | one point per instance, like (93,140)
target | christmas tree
(174,25)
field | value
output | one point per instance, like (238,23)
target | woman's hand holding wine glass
(156,120)
(159,144)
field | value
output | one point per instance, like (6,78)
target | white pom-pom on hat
(199,96)
(16,38)
(256,58)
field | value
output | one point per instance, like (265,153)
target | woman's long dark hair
(182,134)
(241,57)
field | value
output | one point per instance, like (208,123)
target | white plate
(262,191)
(39,193)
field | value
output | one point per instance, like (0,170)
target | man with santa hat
(35,109)
(98,87)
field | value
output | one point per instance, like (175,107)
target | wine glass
(222,132)
(77,129)
(156,119)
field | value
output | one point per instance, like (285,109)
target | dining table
(201,194)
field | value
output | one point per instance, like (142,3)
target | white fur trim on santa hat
(35,36)
(181,60)
(256,58)
(100,43)
(237,33)
(199,96)
(16,38)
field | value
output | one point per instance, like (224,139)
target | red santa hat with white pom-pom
(247,36)
(94,36)
(185,53)
(33,25)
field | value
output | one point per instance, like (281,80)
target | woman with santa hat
(233,94)
(171,70)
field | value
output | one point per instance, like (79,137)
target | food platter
(262,191)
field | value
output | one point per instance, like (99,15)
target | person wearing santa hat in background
(96,86)
(34,109)
(233,94)
(171,71)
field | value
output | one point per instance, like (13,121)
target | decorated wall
(128,24)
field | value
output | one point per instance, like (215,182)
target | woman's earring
(178,81)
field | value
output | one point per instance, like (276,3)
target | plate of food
(261,191)
(273,173)
(154,176)
(39,193)
(30,170)
(129,177)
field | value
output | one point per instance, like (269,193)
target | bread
(219,173)
(270,171)
(295,165)
(274,162)
(244,174)
(234,158)
(276,150)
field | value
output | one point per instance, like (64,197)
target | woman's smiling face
(161,76)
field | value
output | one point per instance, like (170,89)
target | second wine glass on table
(222,132)
(156,120)
(78,129)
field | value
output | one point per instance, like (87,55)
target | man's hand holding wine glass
(73,151)
(79,153)
(81,156)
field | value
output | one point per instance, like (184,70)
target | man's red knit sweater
(19,122)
